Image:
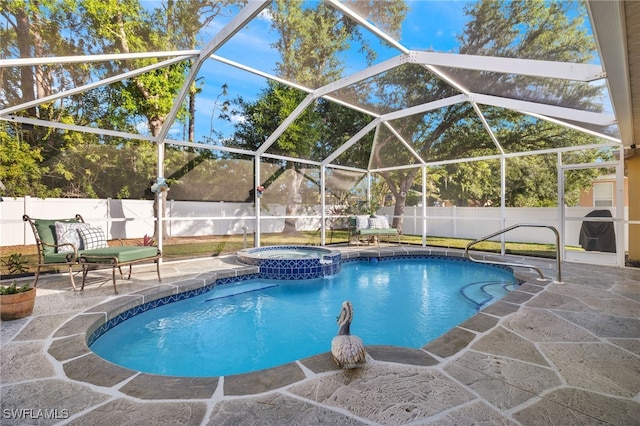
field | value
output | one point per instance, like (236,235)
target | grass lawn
(191,247)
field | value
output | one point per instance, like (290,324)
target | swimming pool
(258,324)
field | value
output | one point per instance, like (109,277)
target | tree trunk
(398,213)
(192,113)
(43,80)
(27,80)
(400,190)
(293,199)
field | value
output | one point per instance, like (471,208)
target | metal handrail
(520,225)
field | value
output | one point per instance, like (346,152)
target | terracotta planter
(19,305)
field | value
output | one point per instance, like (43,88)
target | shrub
(16,264)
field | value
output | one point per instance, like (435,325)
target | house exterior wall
(586,197)
(633,170)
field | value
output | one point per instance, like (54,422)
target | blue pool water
(257,324)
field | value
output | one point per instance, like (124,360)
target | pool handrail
(520,265)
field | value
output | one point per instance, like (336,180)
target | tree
(262,117)
(310,42)
(77,27)
(311,38)
(20,166)
(53,27)
(35,29)
(535,30)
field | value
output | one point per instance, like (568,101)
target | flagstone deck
(547,353)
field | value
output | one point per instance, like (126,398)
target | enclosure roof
(413,83)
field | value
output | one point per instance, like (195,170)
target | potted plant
(16,302)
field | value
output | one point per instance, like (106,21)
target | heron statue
(347,350)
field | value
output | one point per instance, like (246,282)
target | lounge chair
(83,245)
(370,226)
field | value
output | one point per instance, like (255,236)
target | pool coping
(79,363)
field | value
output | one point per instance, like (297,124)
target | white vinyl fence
(129,219)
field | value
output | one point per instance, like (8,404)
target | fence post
(455,222)
(170,213)
(109,221)
(25,208)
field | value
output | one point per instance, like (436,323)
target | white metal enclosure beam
(366,24)
(290,84)
(573,126)
(285,124)
(429,106)
(250,11)
(24,62)
(530,67)
(493,137)
(90,86)
(404,142)
(362,75)
(348,144)
(544,109)
(75,128)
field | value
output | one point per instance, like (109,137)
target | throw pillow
(362,222)
(384,222)
(67,233)
(92,238)
(375,223)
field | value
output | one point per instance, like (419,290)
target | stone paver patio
(547,353)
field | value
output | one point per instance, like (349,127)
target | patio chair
(70,242)
(49,256)
(370,226)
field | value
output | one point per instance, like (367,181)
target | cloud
(238,118)
(266,15)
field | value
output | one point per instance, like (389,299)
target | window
(603,194)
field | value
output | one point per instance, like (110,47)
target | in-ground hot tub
(292,262)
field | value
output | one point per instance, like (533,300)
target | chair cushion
(59,258)
(47,232)
(388,231)
(67,233)
(92,238)
(121,253)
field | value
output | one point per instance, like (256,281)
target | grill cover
(598,236)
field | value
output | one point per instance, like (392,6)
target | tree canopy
(79,164)
(498,29)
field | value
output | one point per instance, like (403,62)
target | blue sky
(433,25)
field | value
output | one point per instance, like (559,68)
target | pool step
(228,290)
(483,293)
